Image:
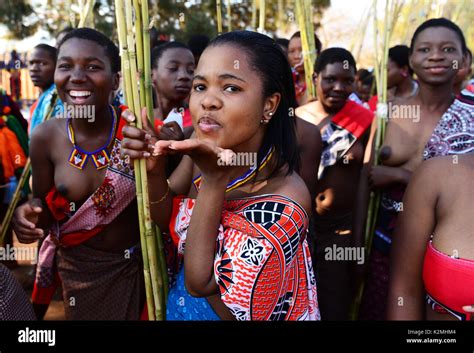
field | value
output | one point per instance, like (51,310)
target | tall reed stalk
(381,36)
(133,30)
(304,14)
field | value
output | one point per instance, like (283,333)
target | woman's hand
(214,162)
(139,143)
(25,219)
(381,176)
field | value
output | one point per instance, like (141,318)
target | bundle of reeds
(219,16)
(86,17)
(381,36)
(304,14)
(133,32)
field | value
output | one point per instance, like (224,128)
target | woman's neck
(167,105)
(436,98)
(99,123)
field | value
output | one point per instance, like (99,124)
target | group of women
(251,242)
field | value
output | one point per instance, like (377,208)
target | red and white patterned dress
(262,263)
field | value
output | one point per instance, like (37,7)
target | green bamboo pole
(139,48)
(381,116)
(145,210)
(86,13)
(254,14)
(219,16)
(229,16)
(127,80)
(261,21)
(23,180)
(151,238)
(147,61)
(305,22)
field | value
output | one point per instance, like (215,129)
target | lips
(208,125)
(182,89)
(437,70)
(336,98)
(79,96)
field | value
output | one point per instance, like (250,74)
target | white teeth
(80,93)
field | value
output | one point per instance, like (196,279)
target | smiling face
(41,67)
(173,76)
(437,55)
(334,84)
(227,100)
(84,74)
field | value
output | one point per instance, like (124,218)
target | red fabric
(144,315)
(57,204)
(373,103)
(122,123)
(187,120)
(59,207)
(354,118)
(450,281)
(158,124)
(42,295)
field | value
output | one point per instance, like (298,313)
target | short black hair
(269,62)
(283,42)
(197,43)
(317,42)
(399,54)
(365,76)
(158,51)
(439,22)
(334,55)
(52,51)
(111,50)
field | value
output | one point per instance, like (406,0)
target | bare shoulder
(307,112)
(307,129)
(294,188)
(45,132)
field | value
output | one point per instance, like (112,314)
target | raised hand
(25,219)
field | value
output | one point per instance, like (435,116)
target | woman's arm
(201,239)
(415,225)
(42,169)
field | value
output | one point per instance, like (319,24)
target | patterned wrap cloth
(262,264)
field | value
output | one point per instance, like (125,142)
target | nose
(183,75)
(33,67)
(77,75)
(436,55)
(338,86)
(210,101)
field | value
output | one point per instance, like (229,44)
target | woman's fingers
(147,126)
(468,308)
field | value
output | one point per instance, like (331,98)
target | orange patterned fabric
(12,155)
(262,263)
